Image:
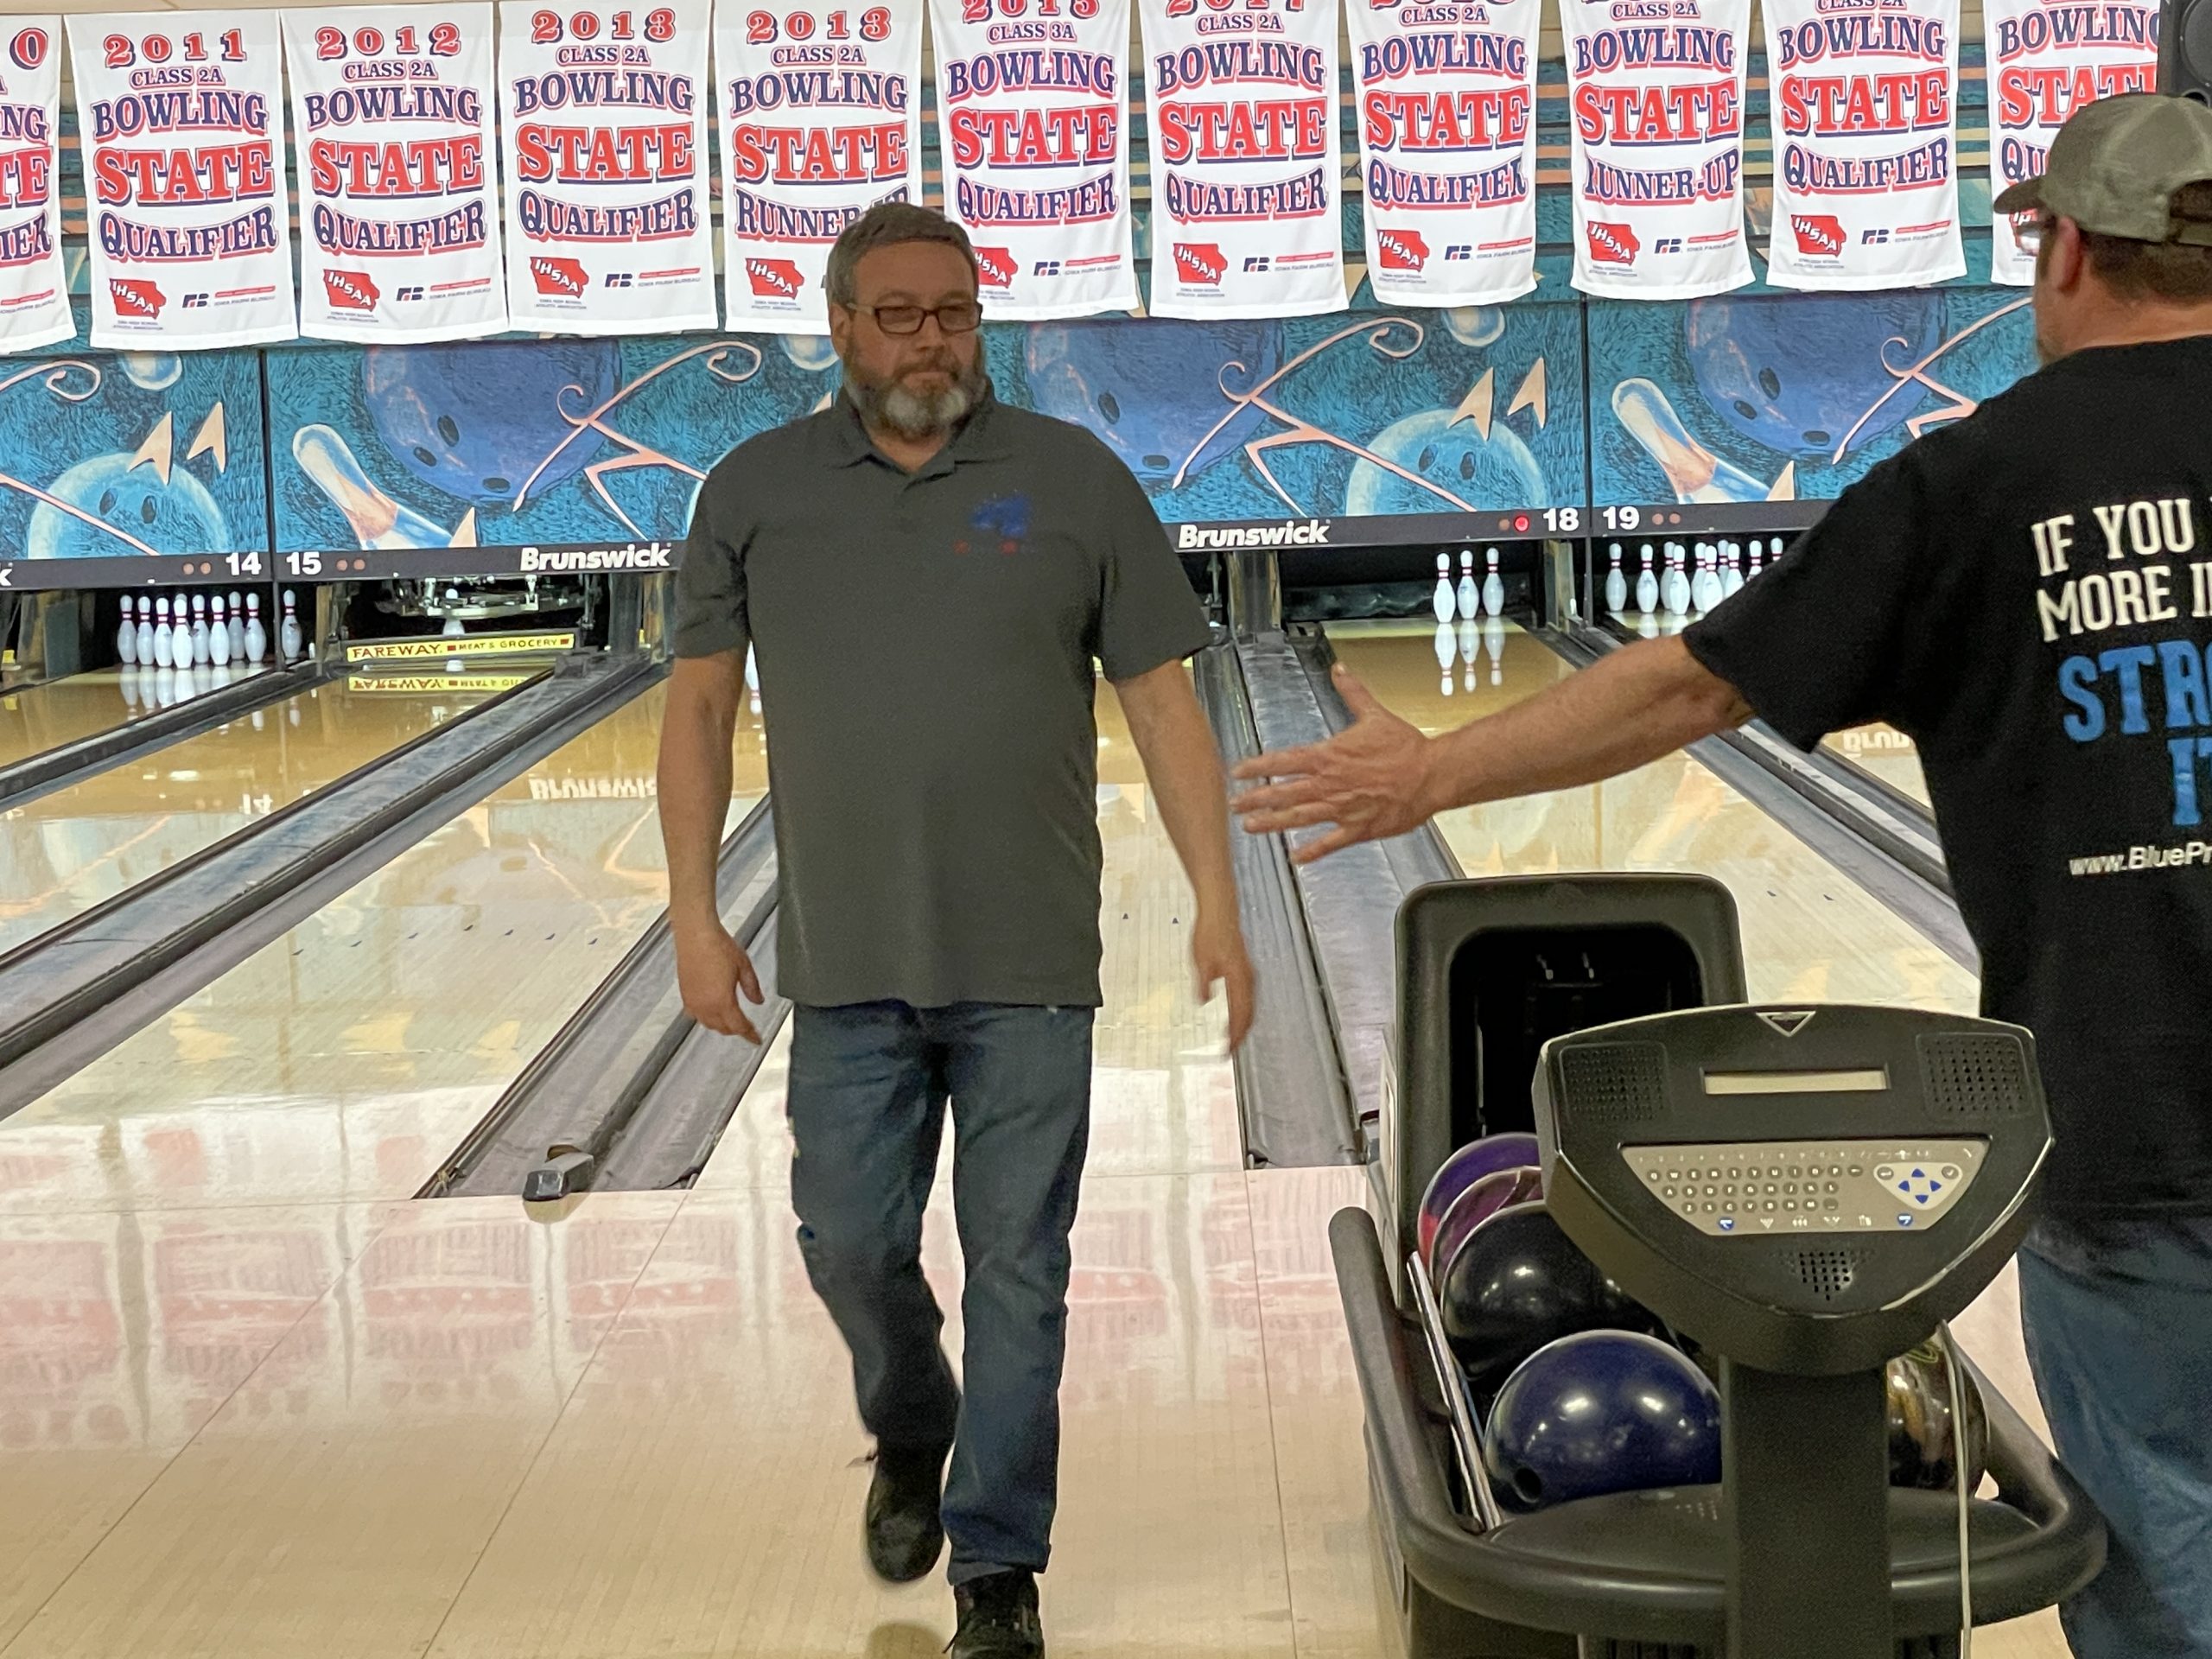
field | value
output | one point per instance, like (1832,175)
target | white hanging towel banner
(2045,61)
(1447,145)
(1657,110)
(399,213)
(180,117)
(603,138)
(821,117)
(33,285)
(1864,99)
(1247,171)
(1032,124)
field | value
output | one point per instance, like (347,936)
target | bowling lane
(1808,930)
(63,853)
(1886,754)
(42,717)
(343,1060)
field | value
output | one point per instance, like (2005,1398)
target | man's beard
(895,407)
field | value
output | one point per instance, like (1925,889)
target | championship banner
(1033,123)
(603,138)
(180,115)
(2046,60)
(1447,146)
(1864,97)
(1658,146)
(399,216)
(1247,180)
(821,118)
(34,286)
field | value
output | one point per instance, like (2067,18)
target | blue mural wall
(1553,400)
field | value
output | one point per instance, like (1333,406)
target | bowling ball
(1517,1282)
(1796,373)
(1475,325)
(150,371)
(178,516)
(813,352)
(475,420)
(1923,1449)
(1603,1411)
(1461,1170)
(1492,1193)
(1451,453)
(1153,393)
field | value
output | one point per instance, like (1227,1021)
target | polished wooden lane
(65,852)
(343,1060)
(41,717)
(1808,930)
(1886,752)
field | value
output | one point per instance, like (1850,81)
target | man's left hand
(1369,780)
(1218,951)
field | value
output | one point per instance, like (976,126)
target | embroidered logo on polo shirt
(1001,523)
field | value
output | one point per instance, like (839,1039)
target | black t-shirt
(2028,595)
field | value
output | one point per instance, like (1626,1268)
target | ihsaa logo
(134,297)
(1400,250)
(1817,233)
(350,291)
(1200,262)
(996,267)
(1613,244)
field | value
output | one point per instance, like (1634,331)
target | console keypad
(1756,1189)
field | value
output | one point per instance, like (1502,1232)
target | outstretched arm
(1381,777)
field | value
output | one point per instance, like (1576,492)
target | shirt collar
(981,436)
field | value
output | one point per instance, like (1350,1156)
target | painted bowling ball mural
(475,420)
(1797,373)
(1450,451)
(175,516)
(1153,391)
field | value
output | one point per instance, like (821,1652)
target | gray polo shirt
(925,645)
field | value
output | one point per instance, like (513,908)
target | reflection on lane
(1808,932)
(1885,753)
(42,717)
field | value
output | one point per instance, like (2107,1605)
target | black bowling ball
(1517,1282)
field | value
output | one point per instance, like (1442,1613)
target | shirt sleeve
(1147,613)
(710,614)
(1820,640)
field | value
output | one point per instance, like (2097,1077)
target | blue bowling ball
(1154,390)
(1797,372)
(174,516)
(1603,1411)
(475,420)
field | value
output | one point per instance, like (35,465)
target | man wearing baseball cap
(2028,594)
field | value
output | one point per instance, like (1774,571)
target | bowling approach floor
(253,1400)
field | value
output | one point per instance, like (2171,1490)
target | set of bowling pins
(1465,644)
(1467,602)
(1691,582)
(148,687)
(193,641)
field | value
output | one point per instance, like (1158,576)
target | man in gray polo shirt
(925,576)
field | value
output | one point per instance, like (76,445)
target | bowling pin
(1469,601)
(288,632)
(256,637)
(1442,600)
(164,649)
(1493,586)
(453,623)
(1731,571)
(1758,548)
(145,631)
(1697,579)
(1447,653)
(1647,585)
(1774,554)
(219,635)
(1674,596)
(1616,582)
(164,689)
(1494,642)
(1471,651)
(126,648)
(1648,625)
(127,677)
(1695,472)
(202,648)
(377,519)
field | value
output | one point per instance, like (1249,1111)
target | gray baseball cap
(2114,167)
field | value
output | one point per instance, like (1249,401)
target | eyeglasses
(960,317)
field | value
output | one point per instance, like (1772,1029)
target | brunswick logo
(350,291)
(1311,533)
(135,296)
(1817,233)
(1400,250)
(777,279)
(561,278)
(1200,262)
(996,267)
(1613,244)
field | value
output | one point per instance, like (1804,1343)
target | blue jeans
(870,1085)
(2118,1322)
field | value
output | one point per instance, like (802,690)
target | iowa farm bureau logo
(1817,233)
(1613,244)
(1400,250)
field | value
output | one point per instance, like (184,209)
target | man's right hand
(711,968)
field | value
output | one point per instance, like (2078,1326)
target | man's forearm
(1184,769)
(694,785)
(1630,708)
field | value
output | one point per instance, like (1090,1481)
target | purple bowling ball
(1605,1411)
(1477,1204)
(1461,1170)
